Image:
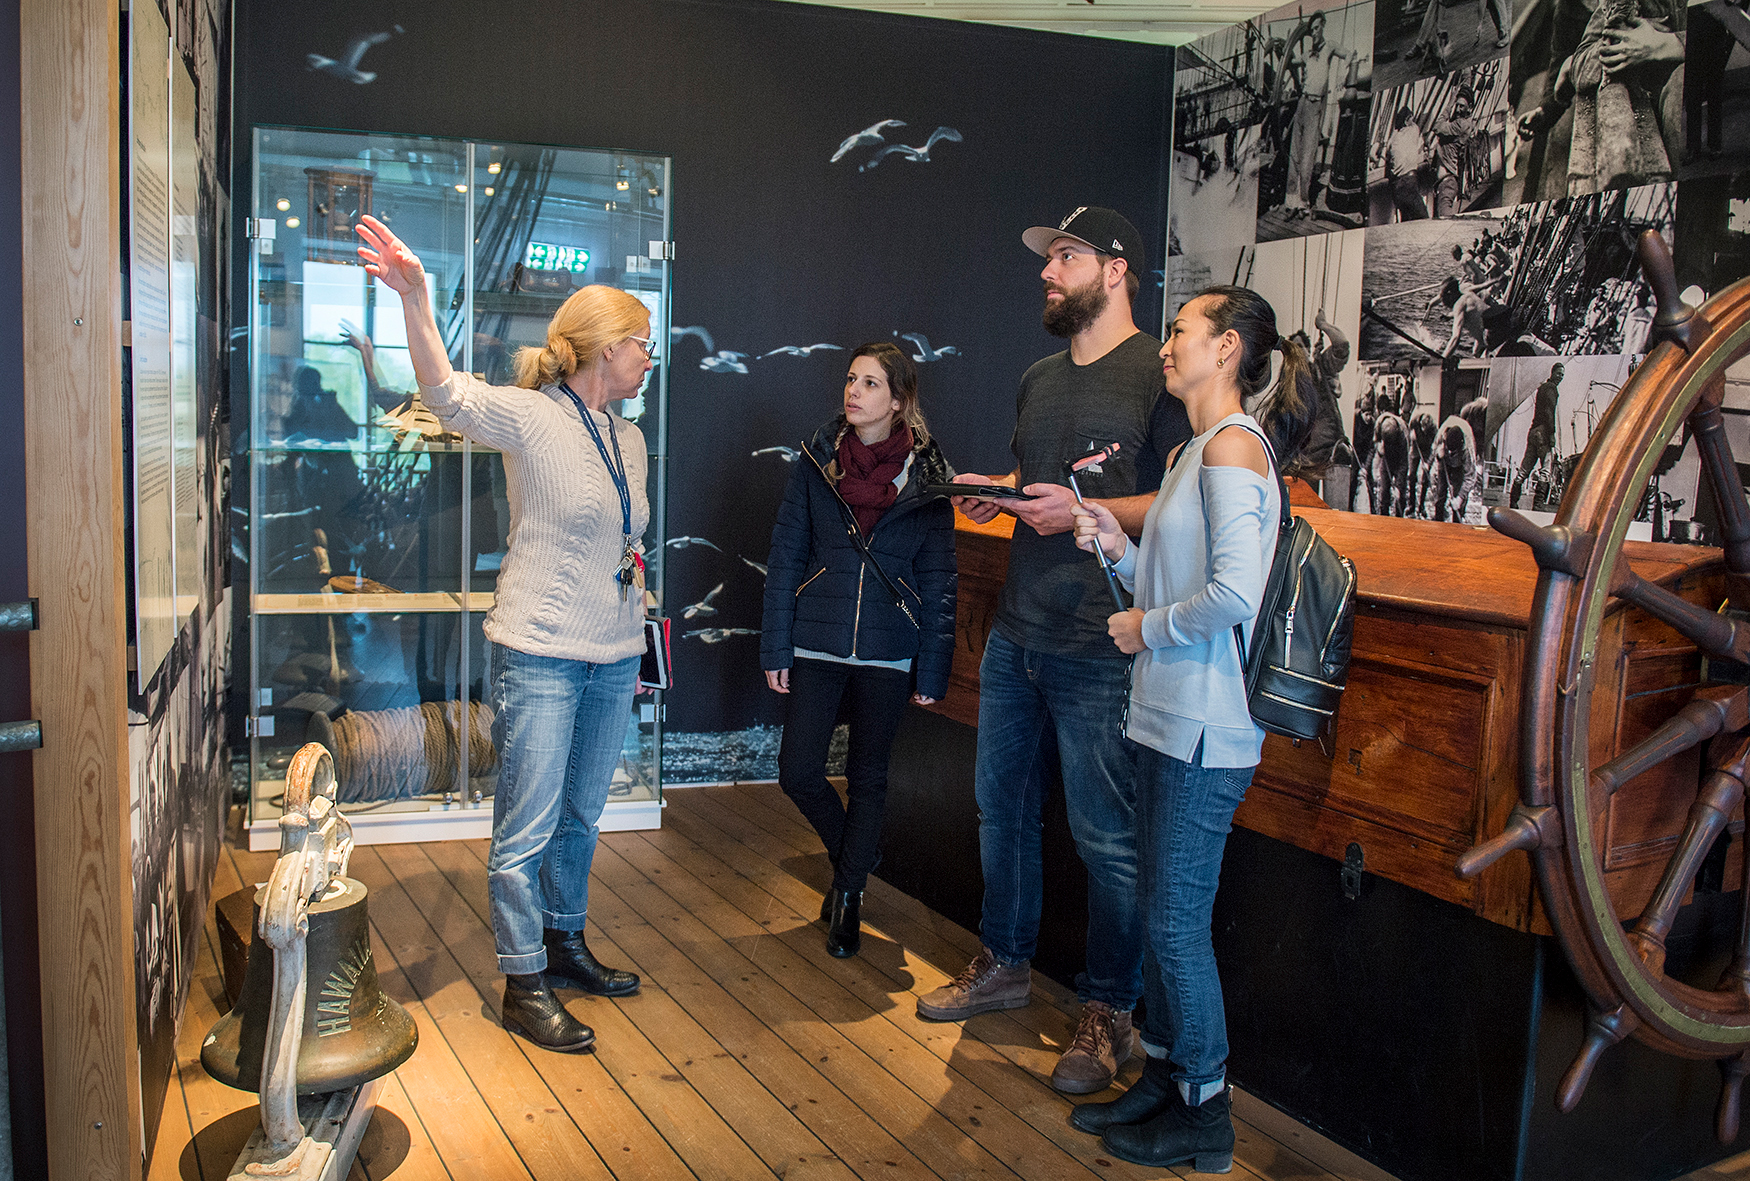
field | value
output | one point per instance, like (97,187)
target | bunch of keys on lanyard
(630,572)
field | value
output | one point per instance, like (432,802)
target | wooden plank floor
(749,1052)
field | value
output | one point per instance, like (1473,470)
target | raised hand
(387,257)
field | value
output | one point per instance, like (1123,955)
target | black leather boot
(1150,1095)
(570,965)
(844,931)
(1203,1135)
(531,1009)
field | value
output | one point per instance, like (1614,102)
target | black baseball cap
(1106,230)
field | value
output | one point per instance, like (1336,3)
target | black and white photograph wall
(1547,278)
(1220,102)
(1597,94)
(1438,147)
(1314,284)
(1317,79)
(1414,39)
(1712,233)
(1716,89)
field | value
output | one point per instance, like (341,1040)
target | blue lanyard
(618,475)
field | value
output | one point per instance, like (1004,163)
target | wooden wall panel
(73,457)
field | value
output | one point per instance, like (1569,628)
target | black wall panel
(775,244)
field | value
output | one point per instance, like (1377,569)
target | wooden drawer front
(1385,851)
(1408,752)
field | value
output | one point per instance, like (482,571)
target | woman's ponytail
(1287,412)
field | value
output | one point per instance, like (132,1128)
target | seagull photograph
(924,353)
(750,562)
(703,606)
(716,635)
(800,350)
(914,155)
(787,454)
(347,66)
(684,542)
(866,138)
(724,362)
(702,334)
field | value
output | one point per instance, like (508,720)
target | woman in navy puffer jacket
(844,626)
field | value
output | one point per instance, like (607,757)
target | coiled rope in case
(389,754)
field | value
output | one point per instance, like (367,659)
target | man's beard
(1076,310)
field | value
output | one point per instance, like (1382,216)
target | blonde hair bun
(592,320)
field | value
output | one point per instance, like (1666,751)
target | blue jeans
(1184,813)
(559,726)
(1024,695)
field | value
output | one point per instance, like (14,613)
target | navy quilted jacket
(819,592)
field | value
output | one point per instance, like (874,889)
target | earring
(1220,361)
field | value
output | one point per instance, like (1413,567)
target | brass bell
(315,915)
(352,1032)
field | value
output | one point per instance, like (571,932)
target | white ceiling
(1157,22)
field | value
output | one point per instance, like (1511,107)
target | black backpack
(1299,661)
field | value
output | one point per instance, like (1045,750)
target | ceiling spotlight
(655,192)
(487,190)
(461,188)
(293,223)
(494,167)
(622,185)
(282,205)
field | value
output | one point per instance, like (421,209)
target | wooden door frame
(70,68)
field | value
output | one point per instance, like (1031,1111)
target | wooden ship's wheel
(1564,797)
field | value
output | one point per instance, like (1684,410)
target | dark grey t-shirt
(1055,599)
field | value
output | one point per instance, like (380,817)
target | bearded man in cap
(1050,674)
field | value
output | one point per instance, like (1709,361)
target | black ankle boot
(1150,1095)
(1203,1134)
(570,965)
(844,932)
(531,1009)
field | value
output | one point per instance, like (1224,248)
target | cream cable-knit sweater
(557,595)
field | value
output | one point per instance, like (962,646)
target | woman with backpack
(1200,571)
(859,605)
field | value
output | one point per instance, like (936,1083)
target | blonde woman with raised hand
(565,633)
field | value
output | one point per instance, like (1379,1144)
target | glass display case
(373,537)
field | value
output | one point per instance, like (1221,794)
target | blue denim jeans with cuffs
(1026,698)
(1184,813)
(559,726)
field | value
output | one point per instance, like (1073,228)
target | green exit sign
(544,256)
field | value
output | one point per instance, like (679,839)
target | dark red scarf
(866,474)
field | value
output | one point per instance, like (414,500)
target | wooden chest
(1423,761)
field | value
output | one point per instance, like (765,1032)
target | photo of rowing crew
(1554,278)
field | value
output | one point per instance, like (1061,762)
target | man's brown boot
(982,987)
(1100,1046)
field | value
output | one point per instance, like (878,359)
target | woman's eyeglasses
(648,344)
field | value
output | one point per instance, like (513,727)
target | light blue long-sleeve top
(1207,543)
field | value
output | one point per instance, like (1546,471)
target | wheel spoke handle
(1527,829)
(1708,815)
(1677,321)
(1715,634)
(1603,1030)
(1556,547)
(1726,1118)
(1707,423)
(1716,709)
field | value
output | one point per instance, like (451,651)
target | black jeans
(875,700)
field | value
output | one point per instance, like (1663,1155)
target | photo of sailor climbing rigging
(1543,279)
